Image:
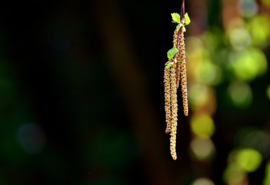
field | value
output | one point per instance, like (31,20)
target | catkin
(175,34)
(174,112)
(183,71)
(178,69)
(177,57)
(167,87)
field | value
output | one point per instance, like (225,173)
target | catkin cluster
(174,73)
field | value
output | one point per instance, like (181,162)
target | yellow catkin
(167,89)
(174,112)
(178,69)
(183,71)
(175,34)
(177,57)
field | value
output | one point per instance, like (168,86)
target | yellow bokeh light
(202,125)
(194,47)
(240,94)
(239,38)
(248,159)
(203,181)
(266,2)
(202,148)
(197,93)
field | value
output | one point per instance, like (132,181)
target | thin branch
(182,13)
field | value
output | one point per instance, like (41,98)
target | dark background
(82,94)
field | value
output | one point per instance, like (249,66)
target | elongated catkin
(175,36)
(174,112)
(167,87)
(183,71)
(178,68)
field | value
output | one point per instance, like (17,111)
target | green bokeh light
(268,92)
(240,94)
(248,159)
(259,28)
(266,180)
(208,73)
(248,64)
(211,39)
(233,174)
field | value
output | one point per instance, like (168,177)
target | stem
(182,13)
(183,20)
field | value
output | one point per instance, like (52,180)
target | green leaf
(187,19)
(179,26)
(176,17)
(172,52)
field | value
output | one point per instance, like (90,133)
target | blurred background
(82,93)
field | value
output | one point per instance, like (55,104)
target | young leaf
(187,19)
(172,52)
(176,17)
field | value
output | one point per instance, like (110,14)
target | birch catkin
(174,112)
(175,36)
(183,71)
(178,69)
(167,87)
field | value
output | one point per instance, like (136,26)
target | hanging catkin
(175,41)
(174,112)
(167,87)
(183,71)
